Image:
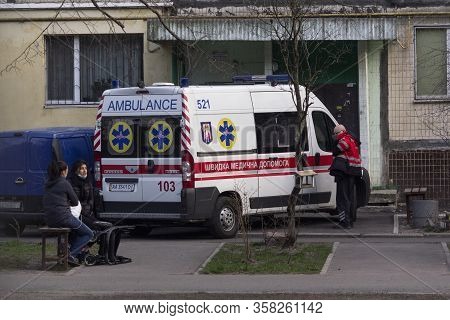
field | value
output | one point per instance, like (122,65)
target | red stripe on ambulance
(98,129)
(140,169)
(245,165)
(186,129)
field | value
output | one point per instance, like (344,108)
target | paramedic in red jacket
(346,166)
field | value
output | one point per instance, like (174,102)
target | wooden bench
(416,192)
(62,249)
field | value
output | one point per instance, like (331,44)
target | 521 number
(203,104)
(166,186)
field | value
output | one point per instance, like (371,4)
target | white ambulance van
(205,154)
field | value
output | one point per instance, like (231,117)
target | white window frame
(431,98)
(77,100)
(76,82)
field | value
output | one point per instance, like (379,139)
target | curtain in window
(431,55)
(104,58)
(59,51)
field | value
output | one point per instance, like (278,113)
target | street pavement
(372,260)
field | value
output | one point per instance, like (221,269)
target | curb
(200,269)
(447,254)
(260,235)
(436,234)
(330,257)
(392,235)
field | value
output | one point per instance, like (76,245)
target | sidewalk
(167,266)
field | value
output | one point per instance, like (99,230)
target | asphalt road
(369,262)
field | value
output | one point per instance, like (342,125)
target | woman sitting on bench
(106,235)
(58,197)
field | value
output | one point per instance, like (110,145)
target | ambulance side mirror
(151,166)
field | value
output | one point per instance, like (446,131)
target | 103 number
(167,186)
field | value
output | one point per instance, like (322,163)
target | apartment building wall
(417,154)
(23,81)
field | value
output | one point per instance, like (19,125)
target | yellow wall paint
(23,88)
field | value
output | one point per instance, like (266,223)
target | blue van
(24,158)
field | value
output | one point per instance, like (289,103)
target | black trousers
(344,197)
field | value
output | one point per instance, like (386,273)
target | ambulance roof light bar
(274,79)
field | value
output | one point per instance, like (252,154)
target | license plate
(121,187)
(10,205)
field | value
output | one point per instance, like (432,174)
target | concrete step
(383,197)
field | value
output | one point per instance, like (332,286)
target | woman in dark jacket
(81,184)
(58,198)
(79,179)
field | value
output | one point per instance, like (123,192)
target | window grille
(81,67)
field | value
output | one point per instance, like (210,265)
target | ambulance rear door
(120,152)
(160,161)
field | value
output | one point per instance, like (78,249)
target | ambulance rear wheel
(225,220)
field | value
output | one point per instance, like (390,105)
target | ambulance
(207,154)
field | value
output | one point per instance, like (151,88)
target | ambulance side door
(322,145)
(276,126)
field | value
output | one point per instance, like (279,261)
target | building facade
(57,58)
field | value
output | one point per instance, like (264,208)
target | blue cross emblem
(226,131)
(160,136)
(121,136)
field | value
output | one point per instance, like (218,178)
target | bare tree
(290,21)
(434,120)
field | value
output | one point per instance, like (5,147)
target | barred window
(432,63)
(81,67)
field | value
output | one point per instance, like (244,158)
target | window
(40,151)
(323,126)
(161,137)
(80,68)
(119,137)
(12,155)
(432,63)
(275,133)
(75,148)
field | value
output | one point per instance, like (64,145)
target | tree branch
(164,24)
(120,24)
(24,54)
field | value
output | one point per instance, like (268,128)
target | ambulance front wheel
(225,220)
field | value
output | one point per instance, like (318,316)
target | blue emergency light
(184,82)
(115,84)
(273,78)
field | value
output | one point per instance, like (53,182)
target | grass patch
(22,255)
(305,258)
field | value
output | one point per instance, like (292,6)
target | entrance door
(341,99)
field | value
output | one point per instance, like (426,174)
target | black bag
(339,166)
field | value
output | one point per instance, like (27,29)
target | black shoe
(72,261)
(81,256)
